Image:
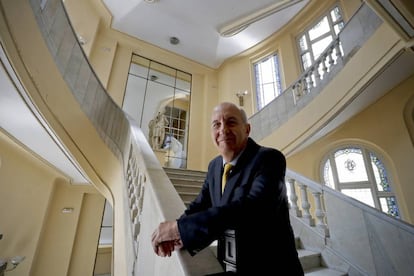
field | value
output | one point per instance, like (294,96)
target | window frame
(369,183)
(276,76)
(319,38)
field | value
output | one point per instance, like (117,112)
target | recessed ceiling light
(150,1)
(174,40)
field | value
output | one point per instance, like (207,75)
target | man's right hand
(166,238)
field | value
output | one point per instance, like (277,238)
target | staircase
(188,184)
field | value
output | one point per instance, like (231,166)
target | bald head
(229,129)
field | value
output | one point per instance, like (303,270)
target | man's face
(228,130)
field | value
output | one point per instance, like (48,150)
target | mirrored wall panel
(158,98)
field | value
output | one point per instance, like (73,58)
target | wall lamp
(14,261)
(241,95)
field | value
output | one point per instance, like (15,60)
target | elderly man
(253,203)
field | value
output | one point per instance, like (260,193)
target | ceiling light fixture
(241,24)
(174,40)
(150,1)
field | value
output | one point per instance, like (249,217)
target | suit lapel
(218,170)
(234,178)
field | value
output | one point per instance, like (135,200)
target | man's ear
(247,129)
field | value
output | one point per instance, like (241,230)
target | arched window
(359,173)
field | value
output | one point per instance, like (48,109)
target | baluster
(324,67)
(316,74)
(305,205)
(134,212)
(320,214)
(294,94)
(293,198)
(304,85)
(330,58)
(309,80)
(338,50)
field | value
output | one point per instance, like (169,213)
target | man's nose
(224,128)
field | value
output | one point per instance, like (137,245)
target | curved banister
(148,196)
(351,229)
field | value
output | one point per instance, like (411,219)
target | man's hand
(166,238)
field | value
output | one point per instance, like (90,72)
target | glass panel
(338,27)
(134,97)
(139,66)
(336,14)
(327,175)
(268,85)
(380,174)
(322,27)
(183,81)
(389,206)
(138,70)
(268,93)
(162,74)
(303,45)
(306,60)
(363,195)
(266,70)
(350,165)
(153,123)
(176,137)
(158,98)
(320,46)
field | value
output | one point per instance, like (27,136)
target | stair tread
(324,271)
(305,252)
(188,184)
(310,259)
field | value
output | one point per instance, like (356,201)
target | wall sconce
(82,40)
(241,95)
(15,261)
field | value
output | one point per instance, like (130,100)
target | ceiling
(204,28)
(196,23)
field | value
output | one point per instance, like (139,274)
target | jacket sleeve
(259,192)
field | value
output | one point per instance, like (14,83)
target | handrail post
(293,198)
(306,205)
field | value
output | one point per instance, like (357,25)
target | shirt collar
(234,161)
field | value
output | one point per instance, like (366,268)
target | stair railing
(361,26)
(369,241)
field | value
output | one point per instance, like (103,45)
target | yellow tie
(227,168)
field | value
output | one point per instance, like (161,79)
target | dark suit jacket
(255,205)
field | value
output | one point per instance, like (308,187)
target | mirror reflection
(158,98)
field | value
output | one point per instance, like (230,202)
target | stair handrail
(140,172)
(148,197)
(312,81)
(374,243)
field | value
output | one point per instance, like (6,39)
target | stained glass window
(360,174)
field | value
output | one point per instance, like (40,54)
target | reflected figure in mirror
(157,131)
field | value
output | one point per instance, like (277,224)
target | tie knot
(227,167)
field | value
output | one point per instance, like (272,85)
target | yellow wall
(382,128)
(111,55)
(212,86)
(32,195)
(59,244)
(236,74)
